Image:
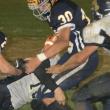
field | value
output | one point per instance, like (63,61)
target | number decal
(67,17)
(62,18)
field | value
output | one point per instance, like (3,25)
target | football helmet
(100,8)
(3,40)
(41,8)
(104,6)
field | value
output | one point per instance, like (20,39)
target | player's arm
(6,67)
(46,79)
(74,61)
(61,43)
(79,58)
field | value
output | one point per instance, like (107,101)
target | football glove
(20,64)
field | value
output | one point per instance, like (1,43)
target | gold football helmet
(41,8)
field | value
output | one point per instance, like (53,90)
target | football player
(5,66)
(15,91)
(95,34)
(67,21)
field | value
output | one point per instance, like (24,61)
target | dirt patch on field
(19,47)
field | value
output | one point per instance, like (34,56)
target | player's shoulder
(64,12)
(64,5)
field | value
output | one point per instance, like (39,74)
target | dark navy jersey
(67,14)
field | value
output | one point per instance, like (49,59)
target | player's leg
(83,99)
(5,98)
(83,105)
(96,90)
(106,104)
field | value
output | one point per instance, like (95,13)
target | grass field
(26,34)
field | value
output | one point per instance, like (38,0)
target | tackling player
(95,35)
(67,21)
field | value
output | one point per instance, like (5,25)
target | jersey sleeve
(81,19)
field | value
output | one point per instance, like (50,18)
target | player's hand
(59,96)
(31,64)
(20,65)
(56,69)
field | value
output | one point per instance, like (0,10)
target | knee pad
(82,95)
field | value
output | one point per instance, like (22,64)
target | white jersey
(21,91)
(91,32)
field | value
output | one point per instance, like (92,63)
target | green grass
(26,34)
(17,20)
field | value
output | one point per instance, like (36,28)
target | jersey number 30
(67,17)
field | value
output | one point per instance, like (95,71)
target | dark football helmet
(41,8)
(100,8)
(104,6)
(3,40)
